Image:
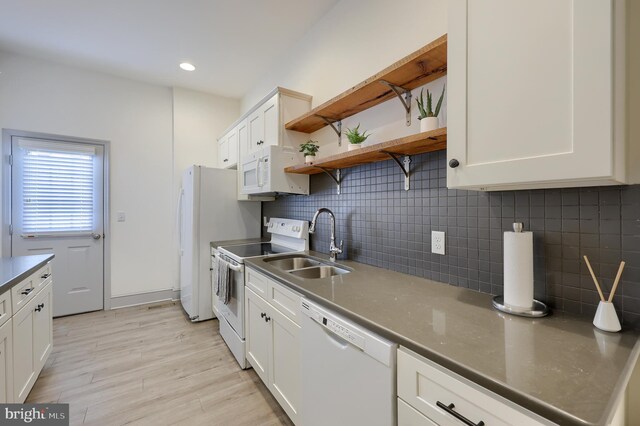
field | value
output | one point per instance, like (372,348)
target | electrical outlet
(121,216)
(437,242)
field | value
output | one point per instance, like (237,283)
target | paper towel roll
(518,269)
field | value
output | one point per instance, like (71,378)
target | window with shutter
(58,190)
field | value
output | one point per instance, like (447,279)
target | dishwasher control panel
(332,324)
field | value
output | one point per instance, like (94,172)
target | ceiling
(231,42)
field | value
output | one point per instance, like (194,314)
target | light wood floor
(150,365)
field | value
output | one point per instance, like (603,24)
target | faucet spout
(333,248)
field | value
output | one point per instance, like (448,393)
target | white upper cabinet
(223,152)
(228,149)
(265,121)
(536,94)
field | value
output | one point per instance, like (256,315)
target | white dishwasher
(348,373)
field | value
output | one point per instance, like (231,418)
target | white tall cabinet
(536,94)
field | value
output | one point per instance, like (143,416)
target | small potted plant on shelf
(429,118)
(309,149)
(356,138)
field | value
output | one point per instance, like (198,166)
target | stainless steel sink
(290,263)
(316,272)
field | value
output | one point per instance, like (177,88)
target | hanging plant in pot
(309,149)
(429,118)
(356,138)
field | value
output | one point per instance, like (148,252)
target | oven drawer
(257,282)
(441,394)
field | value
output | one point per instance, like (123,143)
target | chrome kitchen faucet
(333,249)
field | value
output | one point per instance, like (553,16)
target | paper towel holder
(537,309)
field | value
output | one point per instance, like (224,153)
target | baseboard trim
(136,299)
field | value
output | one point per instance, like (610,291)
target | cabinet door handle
(225,160)
(27,291)
(449,409)
(262,315)
(453,163)
(267,319)
(259,142)
(45,276)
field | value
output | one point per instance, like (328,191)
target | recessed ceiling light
(187,66)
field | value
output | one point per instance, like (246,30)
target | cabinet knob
(453,163)
(225,160)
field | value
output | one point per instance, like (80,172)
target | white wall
(198,120)
(353,41)
(138,120)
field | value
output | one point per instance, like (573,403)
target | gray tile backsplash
(385,226)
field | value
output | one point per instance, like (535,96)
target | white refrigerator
(209,211)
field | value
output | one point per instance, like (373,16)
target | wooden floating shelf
(420,143)
(417,69)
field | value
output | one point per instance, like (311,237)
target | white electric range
(287,236)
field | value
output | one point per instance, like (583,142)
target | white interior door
(57,206)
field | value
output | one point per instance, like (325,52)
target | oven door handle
(237,268)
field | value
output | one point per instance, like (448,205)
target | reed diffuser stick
(615,283)
(595,280)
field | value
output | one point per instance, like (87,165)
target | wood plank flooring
(149,365)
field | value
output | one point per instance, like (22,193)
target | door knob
(453,163)
(96,236)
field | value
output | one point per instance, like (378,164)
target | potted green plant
(309,149)
(356,138)
(429,118)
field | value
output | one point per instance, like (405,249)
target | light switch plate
(437,242)
(121,216)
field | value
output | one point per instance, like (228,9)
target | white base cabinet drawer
(257,282)
(441,395)
(409,416)
(23,292)
(5,307)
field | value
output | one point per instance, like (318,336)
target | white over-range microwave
(262,172)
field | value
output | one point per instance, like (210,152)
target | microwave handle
(259,171)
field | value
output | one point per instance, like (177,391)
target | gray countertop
(15,269)
(559,366)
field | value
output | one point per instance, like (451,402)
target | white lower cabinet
(444,398)
(43,327)
(24,365)
(6,362)
(285,363)
(409,416)
(273,345)
(258,337)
